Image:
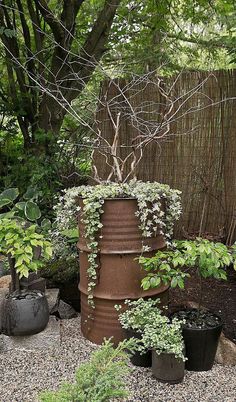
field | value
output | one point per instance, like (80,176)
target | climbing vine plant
(158,207)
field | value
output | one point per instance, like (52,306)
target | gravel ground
(24,374)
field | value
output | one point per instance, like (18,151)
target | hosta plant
(25,248)
(25,207)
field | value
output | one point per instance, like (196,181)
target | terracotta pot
(119,274)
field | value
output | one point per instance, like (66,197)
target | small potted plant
(202,328)
(138,314)
(164,338)
(23,312)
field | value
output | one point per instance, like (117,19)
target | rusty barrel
(119,274)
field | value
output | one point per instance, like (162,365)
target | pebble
(25,374)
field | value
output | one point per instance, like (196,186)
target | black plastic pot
(138,359)
(201,346)
(25,315)
(200,337)
(167,368)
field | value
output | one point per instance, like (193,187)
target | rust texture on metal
(119,274)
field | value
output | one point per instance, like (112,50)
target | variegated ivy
(150,198)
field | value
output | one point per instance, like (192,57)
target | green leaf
(48,251)
(31,193)
(145,284)
(154,282)
(174,282)
(180,283)
(10,193)
(32,211)
(20,205)
(46,224)
(71,233)
(34,242)
(7,215)
(4,201)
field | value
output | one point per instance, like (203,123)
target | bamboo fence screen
(202,164)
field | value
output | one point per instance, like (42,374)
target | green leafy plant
(139,313)
(157,331)
(208,258)
(163,268)
(25,248)
(25,208)
(101,379)
(164,336)
(153,219)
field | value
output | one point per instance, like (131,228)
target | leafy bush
(157,331)
(139,313)
(162,268)
(99,380)
(19,243)
(207,257)
(164,336)
(23,207)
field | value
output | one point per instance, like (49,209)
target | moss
(61,270)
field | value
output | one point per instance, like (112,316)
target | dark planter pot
(24,316)
(119,273)
(138,359)
(167,368)
(201,346)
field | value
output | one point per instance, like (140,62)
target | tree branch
(51,20)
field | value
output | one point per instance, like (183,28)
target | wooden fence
(201,164)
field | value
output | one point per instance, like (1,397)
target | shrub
(99,380)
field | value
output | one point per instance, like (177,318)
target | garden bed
(218,296)
(24,374)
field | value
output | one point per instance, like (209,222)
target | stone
(65,311)
(5,281)
(52,296)
(49,338)
(193,304)
(226,352)
(3,292)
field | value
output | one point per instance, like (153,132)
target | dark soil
(198,319)
(218,296)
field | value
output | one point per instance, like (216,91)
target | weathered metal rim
(112,199)
(148,293)
(120,252)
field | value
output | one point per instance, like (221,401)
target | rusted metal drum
(119,274)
